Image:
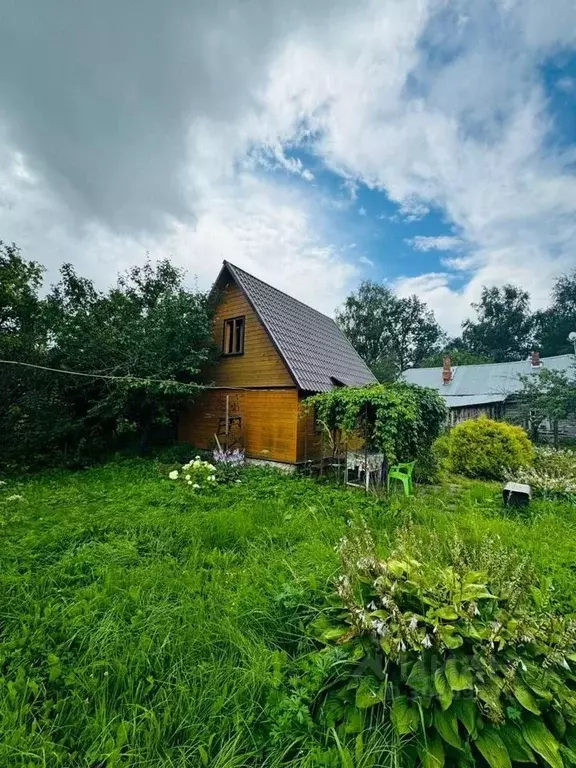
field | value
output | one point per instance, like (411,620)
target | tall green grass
(142,625)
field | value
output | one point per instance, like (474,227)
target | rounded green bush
(486,448)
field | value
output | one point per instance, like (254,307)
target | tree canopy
(553,325)
(504,326)
(148,326)
(389,332)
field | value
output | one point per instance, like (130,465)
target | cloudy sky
(430,144)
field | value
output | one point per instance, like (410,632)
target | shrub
(485,448)
(470,669)
(552,475)
(197,474)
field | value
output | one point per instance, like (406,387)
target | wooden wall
(310,440)
(269,421)
(260,365)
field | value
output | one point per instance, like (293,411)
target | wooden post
(227,418)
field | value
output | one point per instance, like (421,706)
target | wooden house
(494,390)
(275,352)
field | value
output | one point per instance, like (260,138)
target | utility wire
(182,384)
(192,385)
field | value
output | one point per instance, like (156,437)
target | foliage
(390,333)
(457,357)
(229,464)
(555,323)
(504,326)
(548,395)
(553,473)
(474,663)
(485,448)
(401,420)
(149,326)
(196,605)
(197,474)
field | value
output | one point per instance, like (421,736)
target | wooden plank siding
(269,421)
(260,365)
(310,444)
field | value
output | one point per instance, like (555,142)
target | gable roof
(488,383)
(315,351)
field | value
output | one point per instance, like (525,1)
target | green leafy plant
(553,473)
(197,474)
(474,668)
(401,420)
(485,448)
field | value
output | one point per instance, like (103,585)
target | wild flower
(173,475)
(228,464)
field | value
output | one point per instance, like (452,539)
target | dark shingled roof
(315,350)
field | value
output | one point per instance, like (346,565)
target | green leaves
(458,674)
(492,748)
(421,678)
(404,717)
(525,697)
(542,741)
(517,747)
(432,753)
(400,419)
(447,726)
(443,688)
(369,693)
(464,660)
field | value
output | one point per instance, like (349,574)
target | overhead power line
(109,376)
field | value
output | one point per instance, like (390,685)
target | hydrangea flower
(173,475)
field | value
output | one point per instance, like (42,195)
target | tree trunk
(144,438)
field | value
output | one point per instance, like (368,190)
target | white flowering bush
(553,473)
(197,474)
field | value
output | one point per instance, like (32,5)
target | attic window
(233,343)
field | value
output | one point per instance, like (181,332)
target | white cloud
(441,243)
(386,115)
(566,84)
(366,261)
(164,148)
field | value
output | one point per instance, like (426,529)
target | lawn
(143,624)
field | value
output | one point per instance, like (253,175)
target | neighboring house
(275,351)
(491,389)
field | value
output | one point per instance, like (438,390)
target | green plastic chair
(402,472)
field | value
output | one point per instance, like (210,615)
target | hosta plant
(229,464)
(197,474)
(471,670)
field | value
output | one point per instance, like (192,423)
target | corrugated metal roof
(315,350)
(456,401)
(484,383)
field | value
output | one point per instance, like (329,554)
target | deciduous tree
(390,333)
(504,328)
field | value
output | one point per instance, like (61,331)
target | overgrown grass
(142,625)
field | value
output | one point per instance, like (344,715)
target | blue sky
(430,144)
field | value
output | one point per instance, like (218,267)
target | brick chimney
(447,370)
(535,360)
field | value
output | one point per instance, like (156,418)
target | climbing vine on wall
(400,420)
